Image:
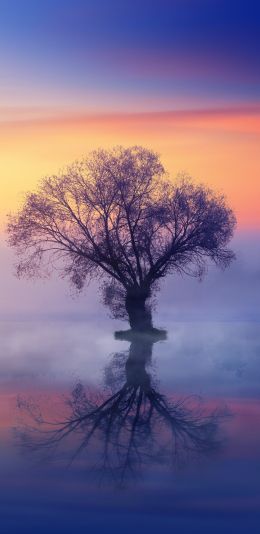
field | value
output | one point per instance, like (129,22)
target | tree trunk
(140,317)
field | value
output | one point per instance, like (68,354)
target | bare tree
(116,216)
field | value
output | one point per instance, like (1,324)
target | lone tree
(116,216)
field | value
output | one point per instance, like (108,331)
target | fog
(230,295)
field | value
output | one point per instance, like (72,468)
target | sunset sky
(179,76)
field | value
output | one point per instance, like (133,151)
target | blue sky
(62,51)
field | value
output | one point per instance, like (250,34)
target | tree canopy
(117,215)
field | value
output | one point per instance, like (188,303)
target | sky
(181,77)
(111,55)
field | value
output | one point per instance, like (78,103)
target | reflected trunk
(140,354)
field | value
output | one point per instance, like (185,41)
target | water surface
(205,480)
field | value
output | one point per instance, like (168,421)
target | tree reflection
(132,426)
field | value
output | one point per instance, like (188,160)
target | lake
(116,435)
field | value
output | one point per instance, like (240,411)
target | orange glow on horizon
(217,148)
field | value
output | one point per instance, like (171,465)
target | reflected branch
(131,427)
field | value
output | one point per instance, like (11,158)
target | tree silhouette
(116,216)
(132,426)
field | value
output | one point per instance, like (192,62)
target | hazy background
(233,294)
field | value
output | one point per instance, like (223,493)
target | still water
(108,434)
